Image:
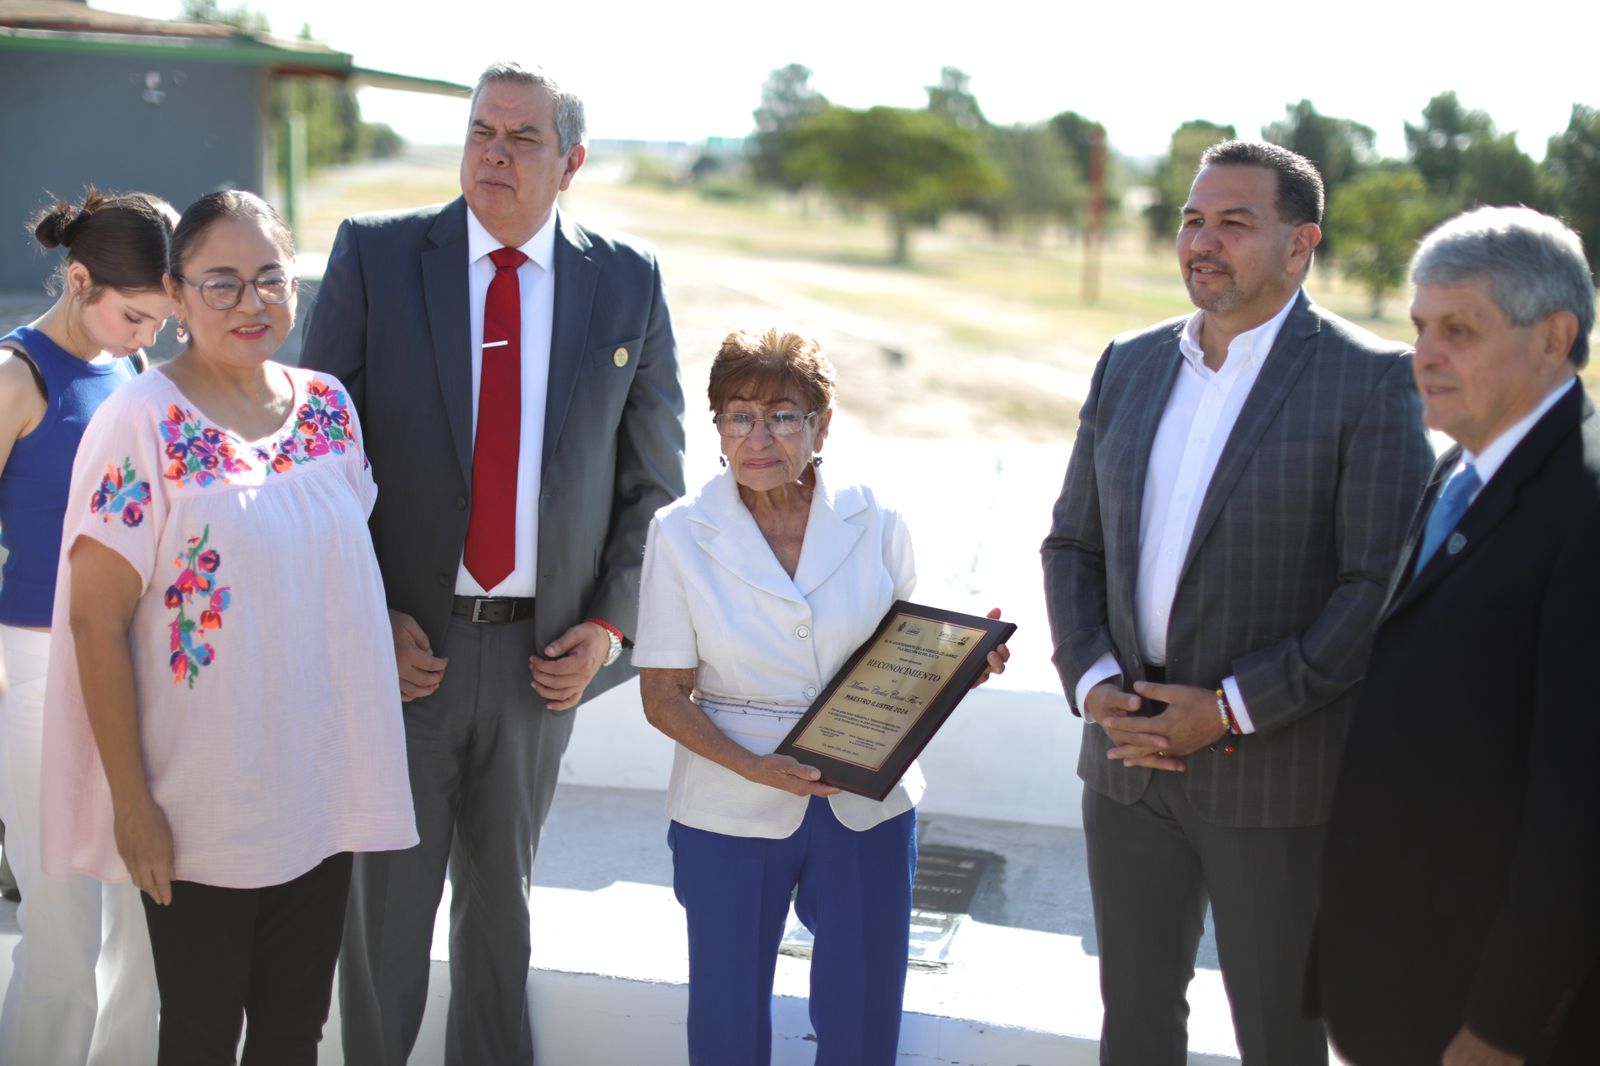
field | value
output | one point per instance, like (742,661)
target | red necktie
(491,530)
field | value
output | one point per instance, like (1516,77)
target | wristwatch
(614,636)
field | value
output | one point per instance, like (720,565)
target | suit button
(461,503)
(811,692)
(620,357)
(444,581)
(802,632)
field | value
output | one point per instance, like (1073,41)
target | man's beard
(1217,301)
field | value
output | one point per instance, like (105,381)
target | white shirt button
(811,692)
(802,632)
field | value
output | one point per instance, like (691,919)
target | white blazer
(713,598)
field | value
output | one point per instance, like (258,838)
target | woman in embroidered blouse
(54,373)
(223,720)
(754,593)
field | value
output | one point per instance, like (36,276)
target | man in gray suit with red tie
(1234,503)
(517,382)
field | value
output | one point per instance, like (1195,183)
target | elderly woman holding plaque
(756,591)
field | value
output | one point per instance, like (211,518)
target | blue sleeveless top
(33,485)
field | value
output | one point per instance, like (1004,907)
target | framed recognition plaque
(892,696)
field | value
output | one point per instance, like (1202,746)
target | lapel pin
(620,357)
(1456,543)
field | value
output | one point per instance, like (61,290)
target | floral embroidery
(322,425)
(198,452)
(121,492)
(197,568)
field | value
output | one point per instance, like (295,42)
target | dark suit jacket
(1295,541)
(391,321)
(1461,881)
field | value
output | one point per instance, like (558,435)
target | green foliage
(335,132)
(1078,135)
(1466,162)
(1175,174)
(952,98)
(787,99)
(1573,161)
(1377,218)
(1436,145)
(1340,147)
(1496,173)
(1043,184)
(242,17)
(912,164)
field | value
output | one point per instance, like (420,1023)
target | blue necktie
(1447,511)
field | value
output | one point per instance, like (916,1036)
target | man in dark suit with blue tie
(1460,918)
(1234,504)
(517,382)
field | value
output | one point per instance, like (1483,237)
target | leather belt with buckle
(492,609)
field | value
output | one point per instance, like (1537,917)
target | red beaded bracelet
(607,626)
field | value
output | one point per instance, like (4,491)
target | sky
(691,69)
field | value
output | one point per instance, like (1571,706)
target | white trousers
(83,988)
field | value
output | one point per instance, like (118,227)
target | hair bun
(56,225)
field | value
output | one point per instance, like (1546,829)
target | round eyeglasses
(779,423)
(224,291)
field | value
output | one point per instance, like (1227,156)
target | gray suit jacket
(1296,537)
(391,321)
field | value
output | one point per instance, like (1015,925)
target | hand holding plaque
(890,698)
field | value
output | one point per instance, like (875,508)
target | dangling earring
(816,460)
(183,332)
(723,459)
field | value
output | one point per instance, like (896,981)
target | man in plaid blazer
(1235,502)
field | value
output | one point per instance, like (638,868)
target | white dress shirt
(1498,450)
(536,282)
(1199,417)
(713,598)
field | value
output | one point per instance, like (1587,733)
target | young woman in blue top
(54,373)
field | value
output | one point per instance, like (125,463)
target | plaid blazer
(1297,535)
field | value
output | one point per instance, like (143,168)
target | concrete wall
(175,129)
(1004,754)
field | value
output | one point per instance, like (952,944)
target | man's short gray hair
(1533,263)
(569,109)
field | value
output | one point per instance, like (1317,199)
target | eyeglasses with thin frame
(779,423)
(224,291)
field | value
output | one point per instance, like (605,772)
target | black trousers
(224,954)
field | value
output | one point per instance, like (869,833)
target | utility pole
(1095,231)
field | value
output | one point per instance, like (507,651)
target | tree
(1175,174)
(912,164)
(1435,146)
(1496,173)
(1043,183)
(787,99)
(953,99)
(1377,217)
(335,132)
(1573,161)
(1341,148)
(1078,134)
(242,17)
